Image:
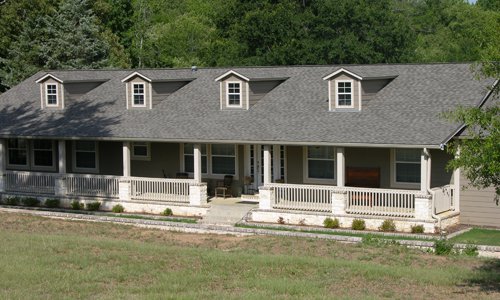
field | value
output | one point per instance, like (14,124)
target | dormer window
(344,93)
(138,95)
(234,94)
(51,94)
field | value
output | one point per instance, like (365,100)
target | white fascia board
(136,74)
(233,73)
(51,76)
(344,71)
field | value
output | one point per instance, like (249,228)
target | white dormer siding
(51,92)
(138,91)
(234,91)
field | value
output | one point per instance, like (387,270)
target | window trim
(240,94)
(209,173)
(42,168)
(85,170)
(336,82)
(47,94)
(305,165)
(134,94)
(400,184)
(16,166)
(147,157)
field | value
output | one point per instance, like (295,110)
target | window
(51,94)
(344,93)
(43,154)
(138,94)
(85,156)
(141,151)
(407,165)
(189,158)
(320,162)
(17,152)
(234,94)
(223,159)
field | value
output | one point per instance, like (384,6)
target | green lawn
(479,237)
(54,259)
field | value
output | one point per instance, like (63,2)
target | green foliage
(167,212)
(470,250)
(417,229)
(118,208)
(30,201)
(76,205)
(52,203)
(443,247)
(388,226)
(331,223)
(14,201)
(93,206)
(358,224)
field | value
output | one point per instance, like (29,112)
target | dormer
(51,92)
(233,91)
(344,91)
(138,91)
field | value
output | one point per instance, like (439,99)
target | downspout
(429,190)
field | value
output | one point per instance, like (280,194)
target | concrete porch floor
(228,211)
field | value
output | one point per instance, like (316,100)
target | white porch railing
(443,198)
(92,185)
(30,182)
(381,202)
(302,197)
(159,189)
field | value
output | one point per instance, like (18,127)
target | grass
(44,258)
(479,236)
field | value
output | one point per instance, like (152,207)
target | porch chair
(223,187)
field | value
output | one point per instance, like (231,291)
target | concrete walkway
(227,212)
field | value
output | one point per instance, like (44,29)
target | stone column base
(124,189)
(265,197)
(198,194)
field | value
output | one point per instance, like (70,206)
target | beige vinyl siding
(258,89)
(243,89)
(60,94)
(74,90)
(477,207)
(371,158)
(164,156)
(161,90)
(355,91)
(369,88)
(439,175)
(294,158)
(130,90)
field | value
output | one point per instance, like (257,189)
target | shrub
(417,229)
(281,220)
(443,247)
(76,205)
(93,206)
(358,224)
(52,203)
(167,212)
(331,223)
(118,208)
(12,201)
(30,201)
(388,226)
(470,250)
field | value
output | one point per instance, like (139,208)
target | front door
(257,164)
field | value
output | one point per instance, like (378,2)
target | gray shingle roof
(405,112)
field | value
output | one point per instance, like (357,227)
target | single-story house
(306,142)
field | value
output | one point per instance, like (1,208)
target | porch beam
(197,162)
(425,171)
(340,166)
(267,164)
(61,146)
(126,159)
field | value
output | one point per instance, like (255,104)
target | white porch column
(424,171)
(126,159)
(456,186)
(267,164)
(61,145)
(276,163)
(197,163)
(340,167)
(2,164)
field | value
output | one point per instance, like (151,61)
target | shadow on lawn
(487,277)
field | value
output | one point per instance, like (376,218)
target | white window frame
(147,157)
(240,94)
(47,104)
(209,155)
(218,155)
(85,170)
(183,155)
(337,105)
(305,164)
(138,94)
(32,157)
(16,166)
(401,184)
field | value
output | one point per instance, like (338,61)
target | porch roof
(405,112)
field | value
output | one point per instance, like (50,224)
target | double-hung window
(320,162)
(17,153)
(51,94)
(43,154)
(407,165)
(189,158)
(85,153)
(138,94)
(223,159)
(344,93)
(234,94)
(141,151)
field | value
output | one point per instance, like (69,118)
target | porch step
(226,212)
